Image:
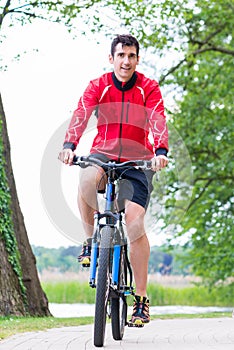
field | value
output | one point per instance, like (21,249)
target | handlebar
(85,161)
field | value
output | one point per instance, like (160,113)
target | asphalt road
(176,334)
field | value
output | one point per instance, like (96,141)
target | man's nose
(126,59)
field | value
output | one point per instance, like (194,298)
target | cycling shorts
(135,184)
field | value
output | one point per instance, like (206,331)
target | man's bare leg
(139,245)
(90,178)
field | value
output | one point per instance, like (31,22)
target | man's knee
(134,217)
(91,178)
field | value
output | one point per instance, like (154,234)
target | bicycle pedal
(85,265)
(136,325)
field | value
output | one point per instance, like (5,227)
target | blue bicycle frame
(113,219)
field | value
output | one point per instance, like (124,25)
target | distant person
(165,267)
(128,106)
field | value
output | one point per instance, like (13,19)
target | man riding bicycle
(128,107)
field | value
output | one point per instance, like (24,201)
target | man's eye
(132,55)
(121,55)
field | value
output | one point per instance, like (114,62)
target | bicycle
(109,255)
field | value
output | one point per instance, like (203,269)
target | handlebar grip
(75,159)
(80,161)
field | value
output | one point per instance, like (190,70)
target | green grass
(191,296)
(69,292)
(75,292)
(13,325)
(186,316)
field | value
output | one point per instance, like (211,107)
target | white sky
(39,93)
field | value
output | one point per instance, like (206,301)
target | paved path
(180,334)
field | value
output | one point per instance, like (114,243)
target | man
(128,106)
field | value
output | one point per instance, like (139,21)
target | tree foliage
(205,122)
(65,260)
(60,259)
(55,11)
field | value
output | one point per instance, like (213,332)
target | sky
(40,89)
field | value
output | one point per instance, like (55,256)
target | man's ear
(111,60)
(138,59)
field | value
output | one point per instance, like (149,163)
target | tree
(21,292)
(205,121)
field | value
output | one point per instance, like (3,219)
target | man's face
(125,60)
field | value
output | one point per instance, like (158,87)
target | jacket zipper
(120,130)
(128,104)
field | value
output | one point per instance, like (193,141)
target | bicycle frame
(113,219)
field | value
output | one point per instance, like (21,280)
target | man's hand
(66,156)
(159,162)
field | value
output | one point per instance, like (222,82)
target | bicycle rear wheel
(119,304)
(102,289)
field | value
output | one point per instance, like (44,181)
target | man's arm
(158,126)
(78,123)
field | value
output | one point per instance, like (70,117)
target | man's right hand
(66,156)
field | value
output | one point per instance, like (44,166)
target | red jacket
(125,112)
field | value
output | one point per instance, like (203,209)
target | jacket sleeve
(157,120)
(87,103)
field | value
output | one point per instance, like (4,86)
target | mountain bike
(110,268)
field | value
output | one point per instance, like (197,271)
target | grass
(191,296)
(76,292)
(13,325)
(69,292)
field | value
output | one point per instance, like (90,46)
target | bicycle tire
(119,305)
(102,289)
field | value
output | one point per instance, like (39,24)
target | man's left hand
(159,162)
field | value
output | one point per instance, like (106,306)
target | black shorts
(135,184)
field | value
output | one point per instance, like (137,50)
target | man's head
(124,56)
(125,40)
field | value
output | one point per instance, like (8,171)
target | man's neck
(124,86)
(121,80)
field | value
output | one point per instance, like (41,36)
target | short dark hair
(125,40)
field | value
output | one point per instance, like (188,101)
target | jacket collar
(128,85)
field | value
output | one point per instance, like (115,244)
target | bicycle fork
(118,243)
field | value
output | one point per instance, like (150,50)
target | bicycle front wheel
(119,305)
(102,289)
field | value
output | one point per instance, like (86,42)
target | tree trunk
(37,303)
(11,301)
